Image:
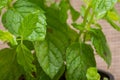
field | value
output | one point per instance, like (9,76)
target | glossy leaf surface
(79,58)
(49,57)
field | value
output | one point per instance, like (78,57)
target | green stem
(21,40)
(86,14)
(82,34)
(91,19)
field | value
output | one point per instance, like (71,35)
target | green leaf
(39,32)
(101,7)
(19,21)
(75,14)
(64,6)
(25,58)
(79,57)
(6,36)
(92,74)
(113,18)
(49,57)
(59,28)
(9,68)
(112,23)
(101,46)
(26,8)
(12,21)
(28,25)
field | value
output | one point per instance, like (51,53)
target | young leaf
(25,58)
(100,7)
(101,46)
(113,24)
(92,74)
(79,57)
(6,36)
(28,25)
(9,68)
(49,57)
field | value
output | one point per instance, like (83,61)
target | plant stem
(82,34)
(86,14)
(21,40)
(91,19)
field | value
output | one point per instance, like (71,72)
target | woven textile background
(113,38)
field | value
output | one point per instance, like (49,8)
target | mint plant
(42,45)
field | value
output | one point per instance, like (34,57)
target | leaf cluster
(43,46)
